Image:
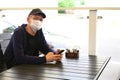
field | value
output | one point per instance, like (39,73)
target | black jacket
(15,52)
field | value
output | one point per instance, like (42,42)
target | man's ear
(27,19)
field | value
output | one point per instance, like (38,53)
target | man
(27,41)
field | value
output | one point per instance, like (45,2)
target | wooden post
(92,32)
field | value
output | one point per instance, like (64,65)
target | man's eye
(38,19)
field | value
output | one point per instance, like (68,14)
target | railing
(56,8)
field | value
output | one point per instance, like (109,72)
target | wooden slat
(9,78)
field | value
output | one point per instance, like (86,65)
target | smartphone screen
(61,51)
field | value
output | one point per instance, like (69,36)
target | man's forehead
(36,16)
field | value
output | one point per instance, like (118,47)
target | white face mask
(35,25)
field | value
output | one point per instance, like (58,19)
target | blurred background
(68,28)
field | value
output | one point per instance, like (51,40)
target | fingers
(49,57)
(53,57)
(58,50)
(58,57)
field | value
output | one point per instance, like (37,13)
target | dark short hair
(37,11)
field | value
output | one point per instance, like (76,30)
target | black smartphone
(61,51)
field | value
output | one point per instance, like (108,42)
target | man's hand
(53,57)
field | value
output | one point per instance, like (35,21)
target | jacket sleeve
(18,48)
(44,47)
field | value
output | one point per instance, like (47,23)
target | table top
(83,68)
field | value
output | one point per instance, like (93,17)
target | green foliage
(82,2)
(66,3)
(9,29)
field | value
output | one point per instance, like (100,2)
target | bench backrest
(4,40)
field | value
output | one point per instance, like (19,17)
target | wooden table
(84,68)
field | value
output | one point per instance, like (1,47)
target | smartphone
(61,51)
